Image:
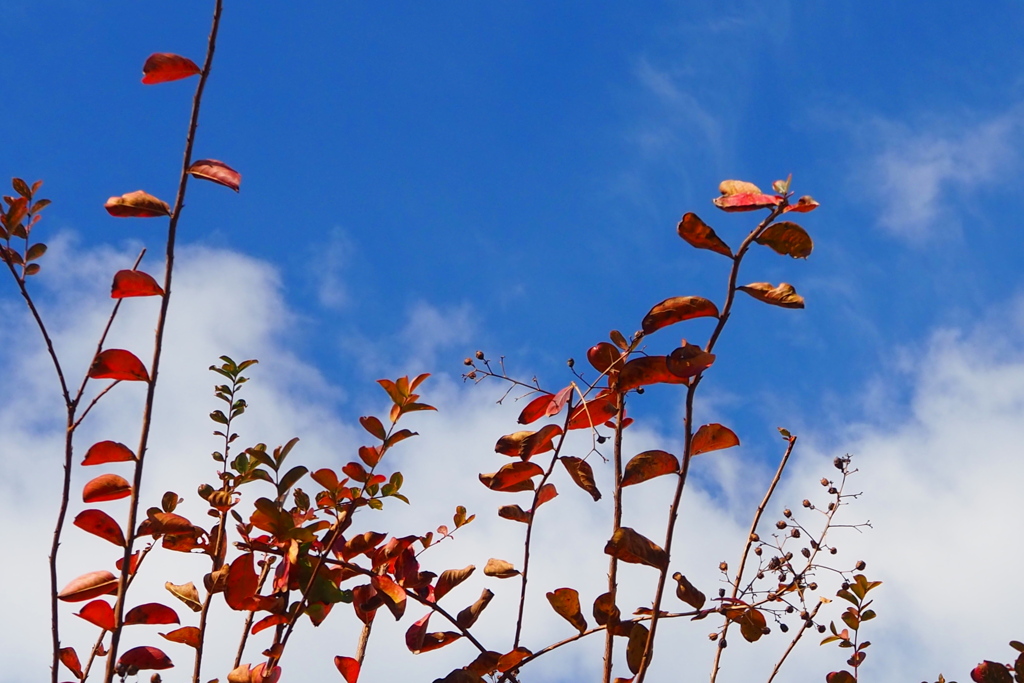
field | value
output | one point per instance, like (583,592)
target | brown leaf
(118,364)
(186,635)
(128,283)
(418,640)
(803,205)
(106,487)
(688,360)
(701,235)
(713,437)
(582,475)
(500,569)
(467,617)
(145,657)
(648,465)
(788,239)
(514,513)
(687,592)
(784,295)
(107,451)
(840,677)
(69,658)
(647,370)
(151,613)
(515,476)
(635,646)
(677,309)
(187,593)
(100,524)
(450,578)
(485,663)
(162,67)
(605,611)
(566,602)
(629,546)
(98,613)
(528,444)
(217,172)
(137,204)
(510,660)
(752,622)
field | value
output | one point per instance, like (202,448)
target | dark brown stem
(147,414)
(613,562)
(715,667)
(792,644)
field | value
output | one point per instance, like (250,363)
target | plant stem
(613,563)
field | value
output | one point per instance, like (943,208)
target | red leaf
(217,172)
(546,493)
(118,364)
(145,657)
(605,357)
(348,667)
(186,635)
(98,613)
(356,472)
(713,437)
(803,205)
(677,309)
(107,451)
(515,476)
(88,586)
(647,370)
(69,658)
(393,594)
(151,613)
(100,524)
(535,409)
(134,283)
(594,412)
(162,67)
(241,584)
(527,444)
(106,487)
(268,621)
(137,204)
(738,195)
(688,360)
(648,465)
(374,426)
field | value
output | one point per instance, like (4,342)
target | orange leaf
(134,283)
(107,451)
(843,677)
(106,487)
(374,426)
(784,295)
(687,592)
(268,621)
(546,493)
(137,204)
(591,413)
(418,640)
(566,602)
(605,612)
(515,476)
(604,357)
(528,444)
(511,659)
(648,465)
(500,569)
(88,586)
(69,658)
(788,239)
(118,364)
(677,309)
(161,67)
(647,370)
(348,667)
(217,172)
(100,524)
(803,205)
(582,475)
(145,657)
(629,546)
(700,235)
(688,360)
(151,613)
(241,584)
(394,595)
(186,635)
(713,437)
(98,613)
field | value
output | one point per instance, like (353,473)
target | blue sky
(422,180)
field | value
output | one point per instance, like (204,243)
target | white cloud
(941,489)
(916,170)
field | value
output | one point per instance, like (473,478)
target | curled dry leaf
(129,283)
(500,569)
(566,602)
(677,309)
(348,668)
(629,546)
(186,635)
(788,239)
(162,67)
(738,195)
(605,612)
(151,613)
(89,586)
(106,487)
(527,444)
(803,205)
(514,513)
(100,524)
(137,204)
(98,613)
(648,465)
(582,475)
(635,646)
(107,451)
(118,364)
(217,172)
(699,234)
(713,437)
(467,617)
(687,592)
(784,295)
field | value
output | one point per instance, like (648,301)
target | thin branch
(613,562)
(792,644)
